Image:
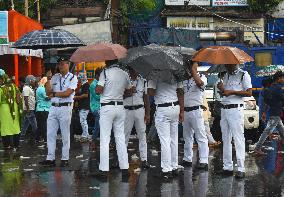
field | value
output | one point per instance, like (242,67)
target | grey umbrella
(47,39)
(156,62)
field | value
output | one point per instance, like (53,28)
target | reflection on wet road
(22,176)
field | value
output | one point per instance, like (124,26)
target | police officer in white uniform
(193,118)
(113,84)
(170,110)
(236,85)
(137,114)
(61,88)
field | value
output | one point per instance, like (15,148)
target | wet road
(21,175)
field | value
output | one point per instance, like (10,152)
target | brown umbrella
(98,53)
(222,55)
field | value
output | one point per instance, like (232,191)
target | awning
(7,50)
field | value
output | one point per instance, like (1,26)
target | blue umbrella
(47,39)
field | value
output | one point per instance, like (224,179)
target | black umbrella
(47,39)
(156,62)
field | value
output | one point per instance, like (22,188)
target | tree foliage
(139,8)
(262,6)
(20,6)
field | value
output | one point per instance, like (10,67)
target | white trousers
(58,117)
(194,124)
(112,116)
(166,121)
(232,125)
(136,118)
(83,114)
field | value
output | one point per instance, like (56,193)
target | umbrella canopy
(269,70)
(222,55)
(156,62)
(47,39)
(98,53)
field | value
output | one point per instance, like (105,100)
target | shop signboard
(190,2)
(229,3)
(191,23)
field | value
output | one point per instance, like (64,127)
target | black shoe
(202,166)
(145,165)
(167,176)
(226,173)
(64,163)
(48,163)
(101,174)
(240,175)
(175,172)
(186,163)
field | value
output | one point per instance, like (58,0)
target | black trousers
(41,118)
(11,141)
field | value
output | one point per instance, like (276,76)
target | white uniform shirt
(115,81)
(30,93)
(239,81)
(193,95)
(137,98)
(165,93)
(61,83)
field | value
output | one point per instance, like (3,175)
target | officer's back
(115,81)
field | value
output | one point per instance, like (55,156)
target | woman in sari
(9,112)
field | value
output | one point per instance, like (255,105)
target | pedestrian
(83,99)
(61,88)
(193,121)
(236,85)
(170,110)
(29,106)
(274,99)
(137,109)
(10,101)
(43,105)
(207,118)
(113,83)
(95,106)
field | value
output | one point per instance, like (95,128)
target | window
(263,59)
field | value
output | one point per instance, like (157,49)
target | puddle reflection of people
(196,188)
(10,179)
(58,182)
(170,189)
(114,187)
(141,189)
(230,186)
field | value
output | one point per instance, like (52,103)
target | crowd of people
(120,99)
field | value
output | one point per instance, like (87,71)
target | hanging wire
(238,23)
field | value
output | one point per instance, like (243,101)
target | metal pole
(12,4)
(38,10)
(26,7)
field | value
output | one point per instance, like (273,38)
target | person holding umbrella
(236,85)
(169,99)
(194,121)
(138,113)
(61,89)
(113,84)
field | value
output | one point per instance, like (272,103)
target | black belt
(188,109)
(133,107)
(112,103)
(61,104)
(168,104)
(230,106)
